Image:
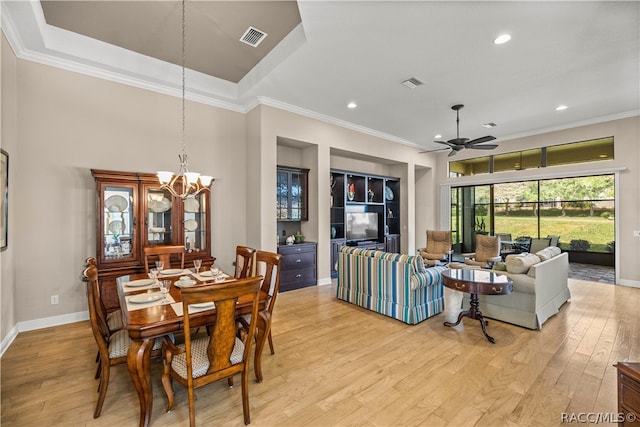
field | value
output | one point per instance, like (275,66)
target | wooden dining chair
(114,318)
(245,262)
(163,253)
(112,347)
(267,265)
(219,355)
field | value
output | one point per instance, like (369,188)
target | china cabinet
(134,212)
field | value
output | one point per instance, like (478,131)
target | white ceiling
(582,54)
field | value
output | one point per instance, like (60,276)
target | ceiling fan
(458,143)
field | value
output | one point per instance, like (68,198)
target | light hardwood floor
(339,365)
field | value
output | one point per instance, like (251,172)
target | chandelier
(184,184)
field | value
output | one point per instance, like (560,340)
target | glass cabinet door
(158,217)
(118,223)
(195,223)
(291,194)
(282,195)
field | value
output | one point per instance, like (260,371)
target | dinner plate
(145,298)
(159,205)
(116,203)
(191,205)
(140,282)
(203,305)
(191,225)
(116,227)
(388,193)
(185,283)
(206,273)
(170,271)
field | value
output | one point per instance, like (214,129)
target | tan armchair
(438,247)
(487,250)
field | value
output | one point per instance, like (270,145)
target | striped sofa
(392,284)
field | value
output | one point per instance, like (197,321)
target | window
(575,152)
(579,210)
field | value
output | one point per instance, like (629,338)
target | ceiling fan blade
(483,147)
(447,143)
(432,151)
(481,140)
(458,141)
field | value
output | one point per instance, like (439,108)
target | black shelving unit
(357,192)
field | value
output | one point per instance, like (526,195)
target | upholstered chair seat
(437,248)
(487,250)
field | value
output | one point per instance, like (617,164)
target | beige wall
(626,133)
(68,123)
(319,139)
(9,143)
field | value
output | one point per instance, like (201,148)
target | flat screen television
(362,226)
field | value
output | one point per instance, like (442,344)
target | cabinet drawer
(299,278)
(296,249)
(299,260)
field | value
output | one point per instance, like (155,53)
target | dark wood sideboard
(298,268)
(629,393)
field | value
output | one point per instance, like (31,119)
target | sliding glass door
(579,210)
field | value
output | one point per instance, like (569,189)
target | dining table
(148,316)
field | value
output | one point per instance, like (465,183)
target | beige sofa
(540,288)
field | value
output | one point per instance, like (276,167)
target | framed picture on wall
(4,198)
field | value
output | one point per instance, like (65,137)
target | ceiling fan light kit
(458,143)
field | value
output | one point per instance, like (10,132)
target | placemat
(137,306)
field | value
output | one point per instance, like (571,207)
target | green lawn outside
(596,230)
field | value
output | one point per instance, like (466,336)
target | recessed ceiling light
(438,136)
(561,107)
(352,105)
(503,38)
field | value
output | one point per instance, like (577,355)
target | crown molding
(332,120)
(572,125)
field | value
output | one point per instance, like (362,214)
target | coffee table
(476,282)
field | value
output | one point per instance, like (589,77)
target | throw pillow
(545,254)
(500,266)
(549,252)
(520,264)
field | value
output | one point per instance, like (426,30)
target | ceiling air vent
(253,36)
(412,83)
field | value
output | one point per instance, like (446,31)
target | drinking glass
(214,272)
(165,285)
(159,266)
(197,263)
(153,275)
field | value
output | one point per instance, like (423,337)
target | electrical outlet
(54,299)
(636,233)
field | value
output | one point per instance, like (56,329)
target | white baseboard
(45,322)
(6,342)
(325,281)
(630,283)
